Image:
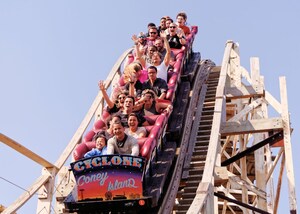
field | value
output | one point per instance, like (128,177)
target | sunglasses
(172,27)
(123,97)
(153,32)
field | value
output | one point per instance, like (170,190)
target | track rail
(185,151)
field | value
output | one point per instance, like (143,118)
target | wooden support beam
(27,195)
(221,176)
(244,92)
(254,104)
(26,152)
(250,186)
(251,126)
(201,199)
(46,192)
(273,102)
(219,195)
(287,146)
(270,140)
(245,74)
(259,113)
(278,189)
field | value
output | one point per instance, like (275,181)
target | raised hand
(162,34)
(101,85)
(134,38)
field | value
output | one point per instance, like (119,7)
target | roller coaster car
(111,183)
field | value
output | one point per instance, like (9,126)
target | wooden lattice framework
(239,169)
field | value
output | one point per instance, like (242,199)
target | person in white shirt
(133,128)
(121,143)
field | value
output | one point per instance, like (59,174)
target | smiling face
(133,121)
(180,20)
(159,44)
(168,22)
(128,102)
(118,131)
(121,98)
(156,59)
(153,34)
(100,143)
(172,29)
(162,23)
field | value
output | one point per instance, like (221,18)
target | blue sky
(52,54)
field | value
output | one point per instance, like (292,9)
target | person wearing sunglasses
(116,105)
(141,39)
(168,23)
(175,40)
(153,34)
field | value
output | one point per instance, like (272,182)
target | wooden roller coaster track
(228,152)
(228,155)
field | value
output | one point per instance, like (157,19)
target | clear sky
(52,54)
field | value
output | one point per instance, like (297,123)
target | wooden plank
(287,146)
(273,102)
(234,71)
(251,126)
(244,92)
(259,113)
(200,200)
(245,74)
(27,195)
(245,205)
(213,142)
(255,72)
(24,151)
(270,172)
(224,68)
(246,110)
(255,147)
(46,192)
(221,176)
(279,182)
